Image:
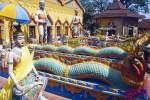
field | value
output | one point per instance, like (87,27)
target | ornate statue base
(31,92)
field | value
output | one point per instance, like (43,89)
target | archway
(32,29)
(80,28)
(15,28)
(58,27)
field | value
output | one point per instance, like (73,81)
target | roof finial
(116,0)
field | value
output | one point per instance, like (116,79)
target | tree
(92,6)
(97,6)
(101,5)
(137,5)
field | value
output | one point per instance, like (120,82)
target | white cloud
(147,15)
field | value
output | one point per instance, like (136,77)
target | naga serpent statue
(104,74)
(126,74)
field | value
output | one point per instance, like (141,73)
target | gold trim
(131,82)
(66,71)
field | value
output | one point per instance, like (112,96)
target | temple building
(144,26)
(59,14)
(117,19)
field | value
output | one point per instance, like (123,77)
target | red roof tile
(117,13)
(117,9)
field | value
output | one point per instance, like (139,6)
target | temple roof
(117,5)
(117,9)
(77,1)
(144,24)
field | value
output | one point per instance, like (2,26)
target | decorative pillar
(135,31)
(37,33)
(62,29)
(69,31)
(5,34)
(25,32)
(123,32)
(27,27)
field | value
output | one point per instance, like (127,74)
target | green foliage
(128,46)
(129,39)
(137,5)
(100,37)
(92,6)
(74,42)
(98,31)
(49,48)
(38,47)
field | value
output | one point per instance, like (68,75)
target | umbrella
(14,12)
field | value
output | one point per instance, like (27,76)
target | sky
(147,15)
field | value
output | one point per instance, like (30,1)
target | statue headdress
(20,35)
(42,1)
